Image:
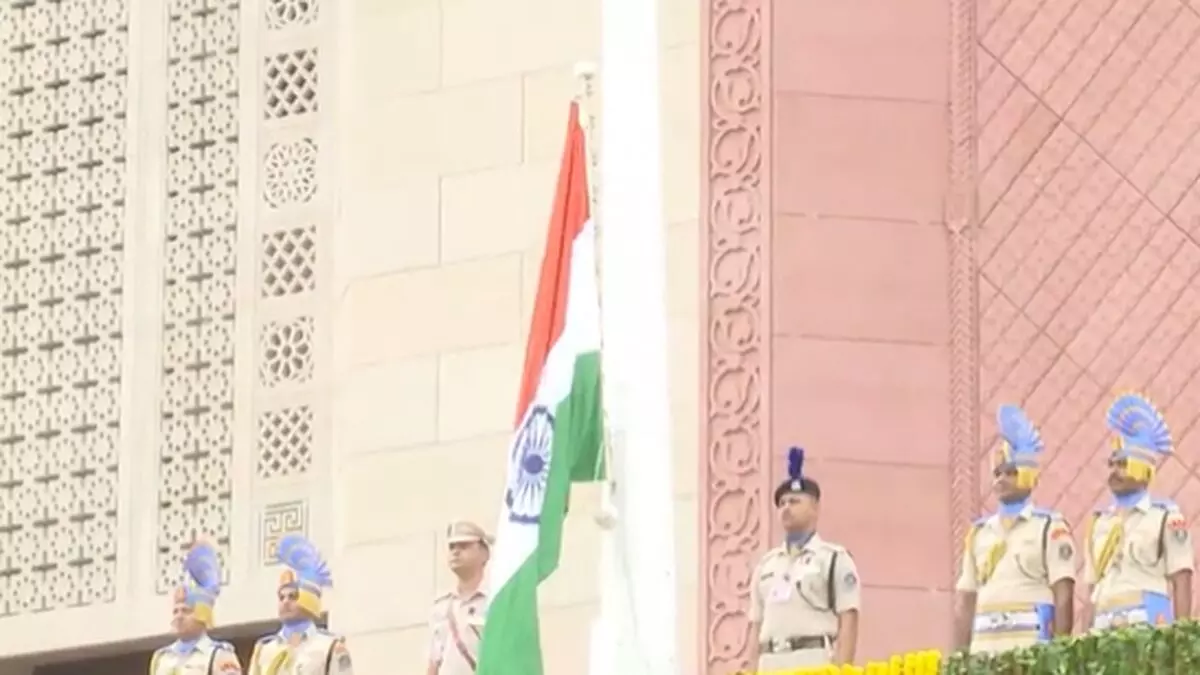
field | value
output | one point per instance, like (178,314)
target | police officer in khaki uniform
(1139,559)
(804,595)
(456,623)
(1017,582)
(300,647)
(193,651)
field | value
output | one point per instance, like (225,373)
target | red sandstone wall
(859,301)
(1088,159)
(917,211)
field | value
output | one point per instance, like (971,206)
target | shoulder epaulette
(221,644)
(162,650)
(981,520)
(1165,504)
(1046,513)
(267,639)
(837,547)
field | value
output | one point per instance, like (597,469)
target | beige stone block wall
(451,121)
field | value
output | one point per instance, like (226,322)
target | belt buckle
(1119,619)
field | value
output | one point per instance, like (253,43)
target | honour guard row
(300,647)
(1017,582)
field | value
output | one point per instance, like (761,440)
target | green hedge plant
(1142,650)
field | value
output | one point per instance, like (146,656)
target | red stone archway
(739,462)
(1069,208)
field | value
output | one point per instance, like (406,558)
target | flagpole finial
(585,76)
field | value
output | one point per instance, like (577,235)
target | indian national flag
(558,433)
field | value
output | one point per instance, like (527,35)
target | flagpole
(610,635)
(640,573)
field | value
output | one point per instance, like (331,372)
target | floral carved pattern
(962,227)
(735,472)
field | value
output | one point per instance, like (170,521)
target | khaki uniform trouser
(997,645)
(801,658)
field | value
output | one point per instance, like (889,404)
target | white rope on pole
(585,75)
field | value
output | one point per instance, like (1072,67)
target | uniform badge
(1065,551)
(850,580)
(1180,536)
(343,655)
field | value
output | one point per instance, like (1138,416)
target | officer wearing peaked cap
(1139,559)
(1017,582)
(300,647)
(193,651)
(804,594)
(456,622)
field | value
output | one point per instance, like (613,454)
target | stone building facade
(266,265)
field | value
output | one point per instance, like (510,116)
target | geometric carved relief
(1088,252)
(286,352)
(200,270)
(278,520)
(735,471)
(285,439)
(290,84)
(290,218)
(290,173)
(290,13)
(962,231)
(288,261)
(62,215)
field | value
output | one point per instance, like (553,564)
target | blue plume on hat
(1023,439)
(796,463)
(203,565)
(1140,425)
(303,557)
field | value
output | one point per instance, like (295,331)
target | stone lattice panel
(290,13)
(1089,153)
(62,207)
(285,442)
(290,84)
(290,173)
(196,435)
(288,262)
(286,352)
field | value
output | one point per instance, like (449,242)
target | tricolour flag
(558,432)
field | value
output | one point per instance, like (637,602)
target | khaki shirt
(790,598)
(1152,542)
(207,657)
(456,626)
(307,653)
(1012,570)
